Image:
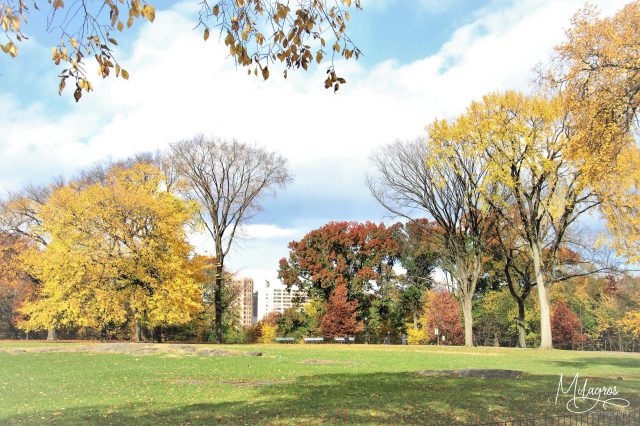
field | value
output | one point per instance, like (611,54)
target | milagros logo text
(584,398)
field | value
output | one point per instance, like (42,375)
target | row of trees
(358,259)
(109,248)
(515,173)
(387,273)
(506,185)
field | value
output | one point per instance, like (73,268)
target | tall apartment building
(245,300)
(279,299)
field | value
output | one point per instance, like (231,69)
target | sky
(423,59)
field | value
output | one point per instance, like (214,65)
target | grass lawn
(298,384)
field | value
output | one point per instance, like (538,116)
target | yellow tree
(596,71)
(631,322)
(117,251)
(527,144)
(621,202)
(258,33)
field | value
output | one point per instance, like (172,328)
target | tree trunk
(546,341)
(468,320)
(522,333)
(415,320)
(51,334)
(138,336)
(620,348)
(218,302)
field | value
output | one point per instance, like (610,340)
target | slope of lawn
(296,384)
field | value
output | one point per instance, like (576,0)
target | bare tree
(228,180)
(408,185)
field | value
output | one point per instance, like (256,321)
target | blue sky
(424,59)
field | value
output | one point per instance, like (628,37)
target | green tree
(419,257)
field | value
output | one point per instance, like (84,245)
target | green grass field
(296,384)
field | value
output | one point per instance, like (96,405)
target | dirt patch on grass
(458,353)
(127,348)
(326,362)
(193,382)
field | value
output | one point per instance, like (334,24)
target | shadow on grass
(374,398)
(630,365)
(341,398)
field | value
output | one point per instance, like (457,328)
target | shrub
(267,333)
(565,326)
(417,336)
(442,310)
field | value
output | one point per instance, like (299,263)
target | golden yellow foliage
(117,251)
(417,336)
(596,74)
(257,33)
(631,322)
(267,333)
(528,145)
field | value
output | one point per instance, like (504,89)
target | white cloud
(265,231)
(181,86)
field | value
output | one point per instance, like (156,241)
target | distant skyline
(423,59)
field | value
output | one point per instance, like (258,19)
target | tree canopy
(116,252)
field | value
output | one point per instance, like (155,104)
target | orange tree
(442,311)
(340,317)
(16,286)
(566,326)
(358,255)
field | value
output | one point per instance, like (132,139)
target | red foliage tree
(350,253)
(442,310)
(565,326)
(611,287)
(340,319)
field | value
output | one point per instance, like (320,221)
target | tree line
(108,251)
(388,273)
(516,173)
(507,184)
(494,198)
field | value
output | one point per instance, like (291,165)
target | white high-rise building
(280,298)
